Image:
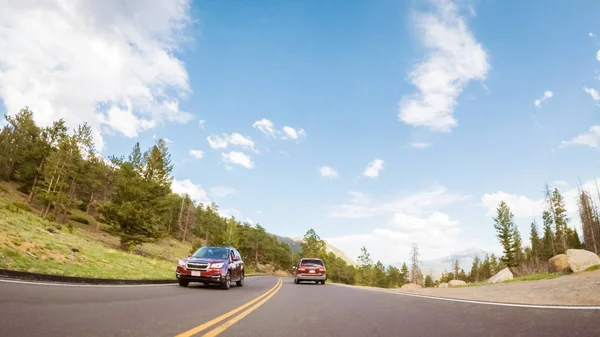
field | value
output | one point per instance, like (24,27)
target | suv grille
(197,266)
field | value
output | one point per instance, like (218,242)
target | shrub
(22,206)
(80,219)
(3,189)
(51,217)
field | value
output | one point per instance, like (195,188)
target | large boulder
(456,283)
(558,263)
(581,259)
(443,285)
(411,286)
(503,275)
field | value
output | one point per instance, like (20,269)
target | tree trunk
(89,205)
(187,221)
(35,180)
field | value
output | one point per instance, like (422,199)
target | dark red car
(310,269)
(212,265)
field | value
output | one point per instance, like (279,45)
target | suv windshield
(212,253)
(311,263)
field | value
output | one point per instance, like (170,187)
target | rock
(75,250)
(51,230)
(443,285)
(456,283)
(503,275)
(558,263)
(411,286)
(581,259)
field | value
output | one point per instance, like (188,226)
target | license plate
(311,271)
(196,273)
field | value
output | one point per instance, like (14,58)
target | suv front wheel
(227,282)
(183,283)
(240,283)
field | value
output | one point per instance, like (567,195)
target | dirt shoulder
(574,289)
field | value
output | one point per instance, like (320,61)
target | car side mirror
(235,258)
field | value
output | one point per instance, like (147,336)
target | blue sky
(442,93)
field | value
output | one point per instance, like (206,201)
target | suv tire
(183,283)
(240,283)
(227,283)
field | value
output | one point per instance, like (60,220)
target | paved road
(292,310)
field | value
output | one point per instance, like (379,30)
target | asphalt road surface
(266,307)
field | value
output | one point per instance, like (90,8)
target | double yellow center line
(254,304)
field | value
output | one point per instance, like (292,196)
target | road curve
(156,310)
(293,310)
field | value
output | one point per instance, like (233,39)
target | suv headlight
(216,265)
(181,263)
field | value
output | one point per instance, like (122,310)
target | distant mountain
(437,266)
(296,246)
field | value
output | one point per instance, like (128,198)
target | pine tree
(415,270)
(428,281)
(589,222)
(365,264)
(404,274)
(455,268)
(505,231)
(486,268)
(312,245)
(379,275)
(560,221)
(549,249)
(475,270)
(536,243)
(517,247)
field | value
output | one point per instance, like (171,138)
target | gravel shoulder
(574,289)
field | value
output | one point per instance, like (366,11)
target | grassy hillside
(28,243)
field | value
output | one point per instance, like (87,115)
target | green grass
(26,244)
(535,277)
(592,268)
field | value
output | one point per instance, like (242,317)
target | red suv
(216,265)
(310,269)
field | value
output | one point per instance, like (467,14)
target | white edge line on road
(58,284)
(86,285)
(532,306)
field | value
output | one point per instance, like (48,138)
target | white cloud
(291,133)
(590,138)
(591,34)
(229,212)
(236,139)
(593,93)
(222,191)
(519,205)
(361,205)
(455,58)
(265,126)
(328,172)
(201,123)
(238,158)
(108,63)
(547,95)
(420,145)
(410,218)
(195,191)
(598,55)
(435,234)
(198,154)
(372,170)
(287,132)
(216,142)
(167,140)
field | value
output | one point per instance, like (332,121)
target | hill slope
(296,246)
(437,266)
